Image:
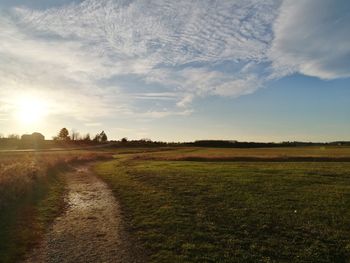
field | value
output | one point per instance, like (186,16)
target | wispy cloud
(112,54)
(93,124)
(312,37)
(166,43)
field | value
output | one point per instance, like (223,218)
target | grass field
(31,196)
(212,211)
(314,153)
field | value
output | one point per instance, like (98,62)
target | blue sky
(182,70)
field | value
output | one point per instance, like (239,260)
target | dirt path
(90,230)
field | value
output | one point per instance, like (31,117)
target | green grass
(235,212)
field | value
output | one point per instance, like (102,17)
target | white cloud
(164,113)
(168,51)
(58,72)
(78,45)
(163,31)
(93,124)
(185,101)
(312,37)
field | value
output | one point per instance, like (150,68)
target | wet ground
(91,228)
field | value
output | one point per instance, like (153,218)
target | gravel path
(90,230)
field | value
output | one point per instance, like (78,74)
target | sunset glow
(249,70)
(30,110)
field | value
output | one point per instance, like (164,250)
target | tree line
(74,136)
(64,135)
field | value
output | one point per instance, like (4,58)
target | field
(187,204)
(31,196)
(249,154)
(207,205)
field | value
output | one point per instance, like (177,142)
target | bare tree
(13,136)
(75,136)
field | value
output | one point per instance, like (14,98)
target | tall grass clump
(31,196)
(20,172)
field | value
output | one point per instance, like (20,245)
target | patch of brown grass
(291,154)
(20,171)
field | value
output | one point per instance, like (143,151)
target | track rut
(91,228)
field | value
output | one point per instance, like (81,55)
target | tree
(63,135)
(124,140)
(100,137)
(103,137)
(74,135)
(96,138)
(87,138)
(13,136)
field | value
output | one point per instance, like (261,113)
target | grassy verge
(235,212)
(23,222)
(31,196)
(19,171)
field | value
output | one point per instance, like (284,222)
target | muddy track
(91,229)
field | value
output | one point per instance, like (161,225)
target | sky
(247,70)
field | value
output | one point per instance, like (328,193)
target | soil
(91,229)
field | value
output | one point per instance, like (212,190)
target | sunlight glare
(30,110)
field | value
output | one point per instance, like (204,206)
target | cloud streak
(312,37)
(113,54)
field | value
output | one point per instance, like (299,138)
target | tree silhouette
(103,137)
(63,135)
(87,138)
(100,137)
(74,135)
(96,138)
(13,136)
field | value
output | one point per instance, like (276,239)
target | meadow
(191,204)
(207,205)
(31,196)
(313,153)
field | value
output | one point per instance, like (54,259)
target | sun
(30,110)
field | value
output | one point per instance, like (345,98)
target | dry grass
(322,154)
(31,196)
(19,171)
